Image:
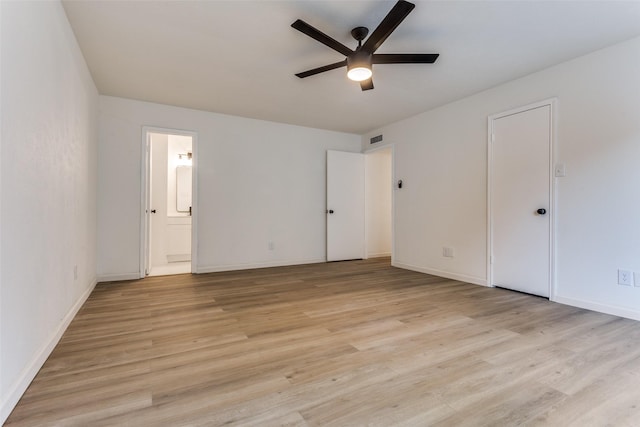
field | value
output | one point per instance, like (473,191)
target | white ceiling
(239,57)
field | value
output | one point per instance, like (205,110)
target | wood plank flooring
(340,344)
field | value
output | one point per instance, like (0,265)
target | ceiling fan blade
(404,58)
(318,35)
(319,70)
(366,84)
(388,24)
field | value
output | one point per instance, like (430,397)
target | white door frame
(552,193)
(394,187)
(144,180)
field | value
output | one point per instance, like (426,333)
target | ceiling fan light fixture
(358,74)
(359,66)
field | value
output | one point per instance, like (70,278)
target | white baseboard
(596,306)
(118,277)
(440,273)
(249,266)
(379,255)
(17,389)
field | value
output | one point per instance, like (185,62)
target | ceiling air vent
(375,139)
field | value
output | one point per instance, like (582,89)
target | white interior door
(520,205)
(345,205)
(159,178)
(146,253)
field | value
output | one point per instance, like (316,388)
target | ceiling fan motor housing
(359,58)
(359,65)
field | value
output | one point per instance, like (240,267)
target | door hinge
(493,137)
(491,259)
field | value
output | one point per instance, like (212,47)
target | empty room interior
(320,213)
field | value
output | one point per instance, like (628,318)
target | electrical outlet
(271,246)
(447,252)
(625,277)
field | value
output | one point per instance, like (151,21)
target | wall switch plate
(447,252)
(625,277)
(271,246)
(636,280)
(560,170)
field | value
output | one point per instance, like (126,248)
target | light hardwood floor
(350,343)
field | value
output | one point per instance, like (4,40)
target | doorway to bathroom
(168,202)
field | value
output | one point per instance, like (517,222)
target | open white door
(521,200)
(345,205)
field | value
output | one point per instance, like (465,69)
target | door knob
(153,211)
(541,211)
(330,211)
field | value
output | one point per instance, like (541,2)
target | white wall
(49,179)
(378,191)
(257,182)
(441,157)
(3,410)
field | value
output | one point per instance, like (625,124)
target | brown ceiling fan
(359,61)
